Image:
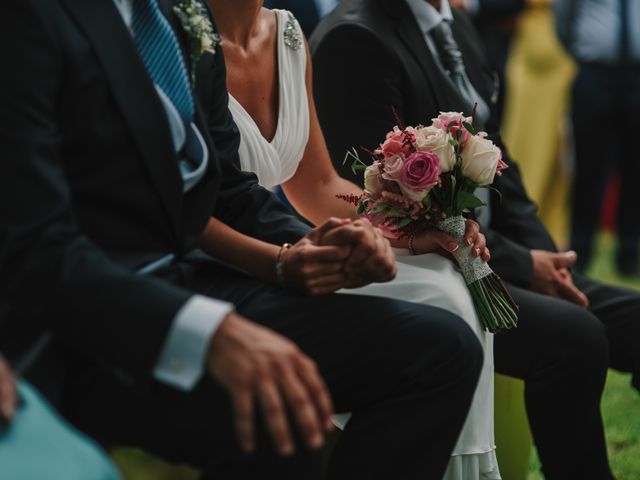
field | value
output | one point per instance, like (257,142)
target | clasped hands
(349,254)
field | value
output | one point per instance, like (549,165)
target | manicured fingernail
(452,247)
(477,252)
(469,241)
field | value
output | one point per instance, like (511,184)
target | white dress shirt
(429,18)
(181,362)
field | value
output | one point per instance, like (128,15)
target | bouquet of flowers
(425,177)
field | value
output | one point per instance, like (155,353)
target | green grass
(620,403)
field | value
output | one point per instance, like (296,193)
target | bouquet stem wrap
(493,303)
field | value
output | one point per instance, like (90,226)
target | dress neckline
(279,66)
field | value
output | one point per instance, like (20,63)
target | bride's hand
(435,241)
(316,269)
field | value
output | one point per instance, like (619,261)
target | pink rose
(398,141)
(501,166)
(421,171)
(445,119)
(393,167)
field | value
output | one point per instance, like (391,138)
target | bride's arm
(306,267)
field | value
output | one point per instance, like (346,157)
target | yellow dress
(539,77)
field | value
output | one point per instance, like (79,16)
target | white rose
(431,139)
(372,182)
(480,158)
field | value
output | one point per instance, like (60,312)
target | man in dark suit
(111,166)
(420,58)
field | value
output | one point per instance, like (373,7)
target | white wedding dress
(428,279)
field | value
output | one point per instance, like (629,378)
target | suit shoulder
(358,19)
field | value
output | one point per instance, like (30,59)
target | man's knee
(452,346)
(580,339)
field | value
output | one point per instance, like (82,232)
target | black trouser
(563,352)
(606,122)
(406,371)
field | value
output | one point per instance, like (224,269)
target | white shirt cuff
(182,360)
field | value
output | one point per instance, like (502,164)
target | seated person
(35,443)
(282,143)
(112,166)
(421,57)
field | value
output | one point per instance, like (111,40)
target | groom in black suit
(420,57)
(111,166)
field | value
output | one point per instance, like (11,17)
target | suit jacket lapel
(135,96)
(483,79)
(412,37)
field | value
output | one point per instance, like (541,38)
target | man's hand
(314,269)
(257,365)
(433,240)
(371,259)
(8,392)
(551,276)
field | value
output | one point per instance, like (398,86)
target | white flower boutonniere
(202,37)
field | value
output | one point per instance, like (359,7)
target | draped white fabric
(429,279)
(275,162)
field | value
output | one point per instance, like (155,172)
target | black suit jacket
(370,56)
(89,183)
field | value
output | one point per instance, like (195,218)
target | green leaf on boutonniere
(361,208)
(378,209)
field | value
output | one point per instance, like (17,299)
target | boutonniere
(202,37)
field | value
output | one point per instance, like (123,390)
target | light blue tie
(161,54)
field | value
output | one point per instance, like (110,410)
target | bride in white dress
(282,143)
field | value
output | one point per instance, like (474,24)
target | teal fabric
(39,445)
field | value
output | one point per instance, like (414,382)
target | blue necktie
(623,45)
(161,54)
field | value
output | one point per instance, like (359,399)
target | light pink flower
(446,118)
(393,166)
(398,141)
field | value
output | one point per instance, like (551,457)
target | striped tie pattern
(161,54)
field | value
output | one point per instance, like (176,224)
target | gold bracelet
(412,250)
(279,265)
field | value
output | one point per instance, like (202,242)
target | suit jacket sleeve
(48,268)
(356,88)
(242,203)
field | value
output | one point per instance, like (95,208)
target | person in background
(307,12)
(35,443)
(604,37)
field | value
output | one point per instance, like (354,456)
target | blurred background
(570,116)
